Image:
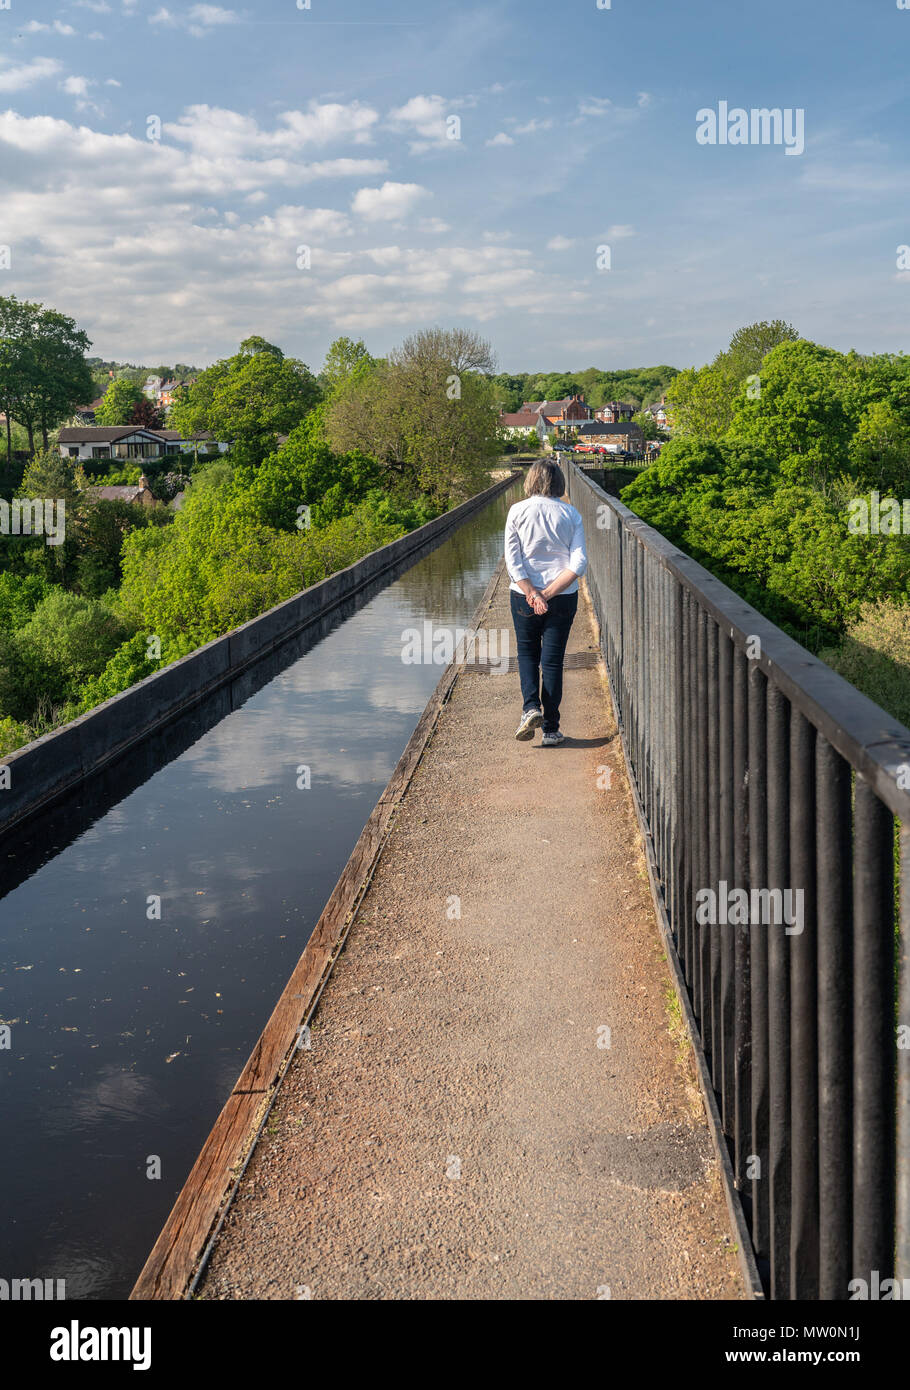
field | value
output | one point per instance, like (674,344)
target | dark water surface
(128,1031)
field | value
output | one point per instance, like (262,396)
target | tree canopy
(247,400)
(43,371)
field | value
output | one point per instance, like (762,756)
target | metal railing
(767,780)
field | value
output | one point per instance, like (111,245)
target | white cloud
(17,79)
(559,243)
(620,230)
(199,20)
(76,86)
(594,106)
(215,132)
(151,286)
(388,203)
(290,222)
(533,126)
(427,117)
(35,26)
(96,6)
(112,82)
(500,138)
(212,15)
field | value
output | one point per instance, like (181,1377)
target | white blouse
(544,536)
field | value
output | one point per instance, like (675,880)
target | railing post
(903,1064)
(873,1037)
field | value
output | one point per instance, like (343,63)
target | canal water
(149,922)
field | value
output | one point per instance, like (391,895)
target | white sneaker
(552,740)
(530,720)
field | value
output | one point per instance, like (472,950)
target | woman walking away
(545,554)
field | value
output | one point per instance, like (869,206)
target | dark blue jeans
(541,648)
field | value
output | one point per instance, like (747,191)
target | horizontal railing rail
(775,799)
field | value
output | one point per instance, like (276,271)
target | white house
(129,442)
(520,422)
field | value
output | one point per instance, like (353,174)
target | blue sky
(329,129)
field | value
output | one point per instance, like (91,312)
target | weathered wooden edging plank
(43,770)
(201,1204)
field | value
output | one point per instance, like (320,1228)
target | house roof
(538,406)
(519,419)
(605,427)
(106,434)
(109,434)
(129,492)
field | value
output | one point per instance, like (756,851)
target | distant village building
(130,442)
(167,393)
(132,492)
(620,435)
(521,422)
(658,413)
(86,413)
(613,412)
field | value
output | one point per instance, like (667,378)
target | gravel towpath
(459,1128)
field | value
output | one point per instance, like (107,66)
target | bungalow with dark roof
(85,442)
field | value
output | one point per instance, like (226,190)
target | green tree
(248,400)
(344,359)
(880,448)
(427,415)
(306,472)
(120,400)
(59,378)
(218,566)
(17,320)
(20,595)
(801,417)
(750,345)
(66,639)
(103,527)
(702,401)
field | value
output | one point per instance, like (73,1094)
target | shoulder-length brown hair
(545,479)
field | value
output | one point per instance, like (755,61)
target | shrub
(71,637)
(20,595)
(875,656)
(12,735)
